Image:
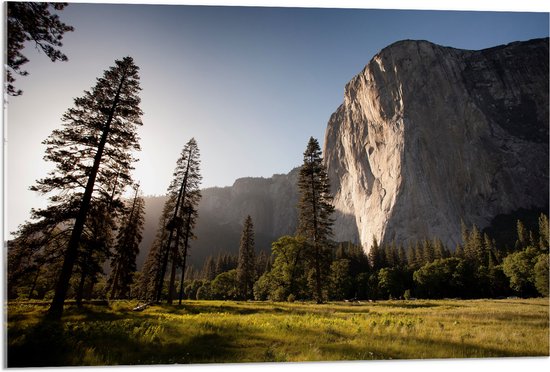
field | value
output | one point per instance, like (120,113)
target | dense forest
(91,224)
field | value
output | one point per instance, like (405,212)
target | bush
(224,286)
(262,287)
(204,292)
(541,275)
(519,268)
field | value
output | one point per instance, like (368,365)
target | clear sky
(250,84)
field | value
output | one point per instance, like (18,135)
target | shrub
(541,275)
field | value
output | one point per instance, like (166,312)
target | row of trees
(424,269)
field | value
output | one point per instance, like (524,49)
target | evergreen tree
(411,256)
(95,247)
(246,267)
(402,257)
(374,255)
(151,267)
(439,249)
(92,156)
(183,195)
(476,249)
(544,231)
(225,262)
(32,21)
(209,269)
(263,263)
(190,219)
(314,217)
(523,236)
(428,251)
(123,264)
(419,254)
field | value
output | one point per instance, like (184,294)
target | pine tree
(32,21)
(191,213)
(523,236)
(151,267)
(439,249)
(123,264)
(184,189)
(544,233)
(209,269)
(95,247)
(94,148)
(246,273)
(315,210)
(374,255)
(402,257)
(428,251)
(476,249)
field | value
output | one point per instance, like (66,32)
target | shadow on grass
(43,345)
(100,338)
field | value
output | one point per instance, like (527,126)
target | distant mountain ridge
(271,202)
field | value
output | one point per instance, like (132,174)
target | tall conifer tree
(123,264)
(314,214)
(246,272)
(183,197)
(92,156)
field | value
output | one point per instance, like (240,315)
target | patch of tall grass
(220,331)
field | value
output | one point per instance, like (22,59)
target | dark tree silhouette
(190,219)
(123,264)
(32,21)
(93,157)
(183,197)
(315,209)
(246,268)
(151,267)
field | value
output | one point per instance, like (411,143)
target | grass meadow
(227,331)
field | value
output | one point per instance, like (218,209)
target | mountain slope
(428,136)
(271,202)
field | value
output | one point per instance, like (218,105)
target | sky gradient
(250,84)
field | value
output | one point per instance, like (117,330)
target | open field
(225,331)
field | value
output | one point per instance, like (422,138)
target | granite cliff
(428,136)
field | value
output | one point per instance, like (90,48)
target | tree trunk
(184,258)
(34,283)
(182,191)
(80,289)
(317,257)
(56,308)
(172,283)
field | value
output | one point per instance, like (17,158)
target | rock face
(429,135)
(271,202)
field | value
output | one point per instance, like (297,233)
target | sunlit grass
(219,331)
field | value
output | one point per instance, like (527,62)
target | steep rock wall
(428,136)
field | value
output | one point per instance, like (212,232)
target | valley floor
(227,331)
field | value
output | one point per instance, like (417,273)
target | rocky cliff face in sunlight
(429,135)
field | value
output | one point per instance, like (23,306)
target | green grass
(219,331)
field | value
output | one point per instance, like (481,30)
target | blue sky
(250,84)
